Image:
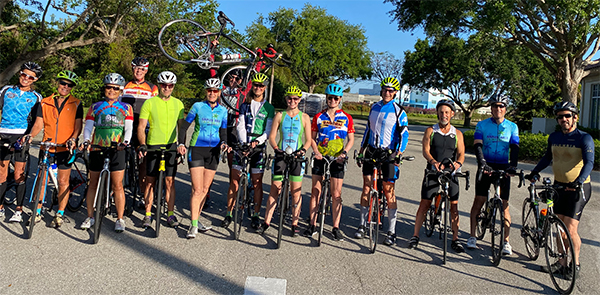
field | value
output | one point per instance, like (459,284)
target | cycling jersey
(291,131)
(387,127)
(255,121)
(443,145)
(571,155)
(59,120)
(497,139)
(162,117)
(16,108)
(113,121)
(208,122)
(332,133)
(136,94)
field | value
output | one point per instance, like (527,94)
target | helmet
(140,62)
(33,67)
(334,89)
(446,102)
(293,90)
(259,78)
(166,77)
(114,78)
(494,99)
(212,83)
(565,106)
(68,75)
(391,82)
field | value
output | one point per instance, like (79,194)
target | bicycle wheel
(283,203)
(131,181)
(482,221)
(529,229)
(231,93)
(38,187)
(238,209)
(183,40)
(430,221)
(101,195)
(322,207)
(373,220)
(78,184)
(10,197)
(559,251)
(158,200)
(444,227)
(497,232)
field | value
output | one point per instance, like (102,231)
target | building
(590,97)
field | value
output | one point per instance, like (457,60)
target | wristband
(459,163)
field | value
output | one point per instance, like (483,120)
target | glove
(143,148)
(359,159)
(573,185)
(511,170)
(486,168)
(534,175)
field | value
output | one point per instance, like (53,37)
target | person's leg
(272,201)
(64,176)
(296,192)
(234,181)
(257,183)
(507,220)
(197,175)
(150,181)
(572,225)
(314,198)
(454,219)
(208,178)
(420,218)
(475,208)
(336,200)
(20,179)
(116,183)
(91,192)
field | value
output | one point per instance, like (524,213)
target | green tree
(560,33)
(385,64)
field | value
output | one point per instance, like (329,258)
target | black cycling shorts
(485,185)
(431,187)
(336,168)
(389,171)
(153,159)
(257,162)
(6,152)
(571,203)
(61,159)
(206,157)
(279,165)
(117,161)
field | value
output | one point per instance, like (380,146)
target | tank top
(443,145)
(290,132)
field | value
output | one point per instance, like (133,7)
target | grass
(412,119)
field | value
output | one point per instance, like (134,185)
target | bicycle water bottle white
(54,174)
(233,57)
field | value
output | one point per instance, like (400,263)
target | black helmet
(140,62)
(33,67)
(494,99)
(446,102)
(565,106)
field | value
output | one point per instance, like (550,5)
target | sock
(229,213)
(169,213)
(148,214)
(61,212)
(364,214)
(39,211)
(195,223)
(255,214)
(21,189)
(392,218)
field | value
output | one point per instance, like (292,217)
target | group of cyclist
(148,117)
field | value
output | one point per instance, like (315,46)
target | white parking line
(263,286)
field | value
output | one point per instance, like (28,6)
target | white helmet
(114,78)
(166,77)
(212,83)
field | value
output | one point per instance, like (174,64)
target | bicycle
(377,202)
(10,177)
(131,180)
(78,183)
(325,197)
(441,204)
(491,215)
(548,231)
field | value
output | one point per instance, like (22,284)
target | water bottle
(54,174)
(233,57)
(543,213)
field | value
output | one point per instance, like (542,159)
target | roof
(595,64)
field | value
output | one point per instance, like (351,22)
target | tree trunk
(468,115)
(569,85)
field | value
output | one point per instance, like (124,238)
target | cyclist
(61,117)
(163,113)
(571,152)
(111,121)
(17,103)
(293,126)
(330,128)
(209,137)
(254,125)
(135,93)
(387,128)
(441,141)
(497,148)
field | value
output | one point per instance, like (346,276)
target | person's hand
(85,146)
(511,171)
(359,160)
(142,149)
(253,144)
(121,146)
(487,169)
(572,186)
(214,42)
(26,139)
(225,147)
(300,153)
(342,157)
(533,176)
(181,149)
(71,143)
(318,155)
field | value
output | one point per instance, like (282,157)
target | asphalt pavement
(134,262)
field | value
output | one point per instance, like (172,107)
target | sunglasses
(140,68)
(388,90)
(63,83)
(258,85)
(336,98)
(567,116)
(115,88)
(501,106)
(295,98)
(29,77)
(212,90)
(168,86)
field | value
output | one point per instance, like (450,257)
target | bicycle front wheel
(78,184)
(102,194)
(36,199)
(373,220)
(497,231)
(183,41)
(283,203)
(529,229)
(158,200)
(560,255)
(238,209)
(231,91)
(322,207)
(482,221)
(430,221)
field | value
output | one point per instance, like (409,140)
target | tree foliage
(385,64)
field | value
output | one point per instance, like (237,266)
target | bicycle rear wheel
(131,181)
(238,209)
(482,221)
(322,207)
(430,221)
(183,40)
(497,231)
(158,200)
(444,227)
(283,203)
(373,220)
(36,199)
(78,184)
(102,194)
(529,229)
(559,251)
(230,93)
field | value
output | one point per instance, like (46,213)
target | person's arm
(460,150)
(314,136)
(38,125)
(426,143)
(587,155)
(141,130)
(241,129)
(514,148)
(478,145)
(89,124)
(545,160)
(78,122)
(403,132)
(307,135)
(365,140)
(351,131)
(274,129)
(263,138)
(182,133)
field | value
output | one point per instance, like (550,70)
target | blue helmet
(334,89)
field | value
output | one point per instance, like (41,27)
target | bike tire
(101,195)
(322,207)
(482,221)
(430,221)
(179,42)
(283,199)
(158,200)
(78,184)
(445,228)
(238,209)
(530,229)
(373,220)
(246,74)
(497,232)
(37,196)
(131,182)
(563,279)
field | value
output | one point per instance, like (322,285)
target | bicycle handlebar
(500,173)
(223,19)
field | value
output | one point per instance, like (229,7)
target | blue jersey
(387,127)
(208,122)
(16,107)
(497,139)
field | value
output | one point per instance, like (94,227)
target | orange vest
(59,127)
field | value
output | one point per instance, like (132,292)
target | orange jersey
(60,126)
(136,94)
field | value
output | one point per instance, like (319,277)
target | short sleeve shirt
(332,133)
(109,121)
(497,139)
(208,121)
(163,117)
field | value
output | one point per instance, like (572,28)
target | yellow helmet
(391,82)
(293,90)
(259,78)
